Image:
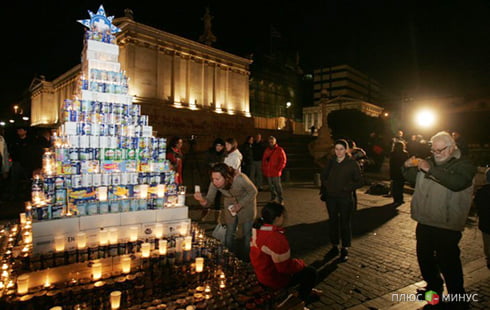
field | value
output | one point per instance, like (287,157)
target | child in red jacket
(270,255)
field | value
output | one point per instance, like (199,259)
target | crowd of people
(438,169)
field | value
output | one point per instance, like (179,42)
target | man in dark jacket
(258,149)
(440,205)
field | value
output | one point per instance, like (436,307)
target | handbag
(219,232)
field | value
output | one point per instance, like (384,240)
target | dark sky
(441,48)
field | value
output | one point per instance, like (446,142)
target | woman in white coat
(233,156)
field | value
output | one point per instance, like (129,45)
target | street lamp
(425,118)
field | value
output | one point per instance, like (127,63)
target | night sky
(410,47)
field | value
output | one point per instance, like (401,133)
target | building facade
(167,75)
(344,81)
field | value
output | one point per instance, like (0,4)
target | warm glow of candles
(115,299)
(199,264)
(102,193)
(47,281)
(133,233)
(81,240)
(161,190)
(145,250)
(158,230)
(143,191)
(162,247)
(222,284)
(126,264)
(22,284)
(27,237)
(59,243)
(188,243)
(96,271)
(183,229)
(56,308)
(22,218)
(113,235)
(103,237)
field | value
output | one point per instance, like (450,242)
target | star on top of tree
(99,22)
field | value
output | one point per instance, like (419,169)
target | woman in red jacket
(270,255)
(176,157)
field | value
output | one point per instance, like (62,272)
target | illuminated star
(99,22)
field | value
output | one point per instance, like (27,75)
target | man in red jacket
(273,162)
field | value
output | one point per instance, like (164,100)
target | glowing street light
(425,118)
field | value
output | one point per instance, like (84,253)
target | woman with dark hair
(215,155)
(233,157)
(240,198)
(175,156)
(340,178)
(270,255)
(247,151)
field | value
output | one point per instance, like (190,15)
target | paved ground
(382,258)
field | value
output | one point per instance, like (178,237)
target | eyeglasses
(439,151)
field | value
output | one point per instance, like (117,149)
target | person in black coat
(482,204)
(247,152)
(397,158)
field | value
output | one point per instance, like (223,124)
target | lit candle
(158,230)
(188,243)
(102,193)
(96,271)
(113,235)
(178,244)
(161,190)
(133,233)
(183,229)
(103,237)
(22,218)
(59,243)
(47,281)
(81,240)
(162,247)
(199,264)
(115,299)
(27,237)
(143,191)
(126,264)
(145,250)
(22,284)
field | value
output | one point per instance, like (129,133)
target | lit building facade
(168,75)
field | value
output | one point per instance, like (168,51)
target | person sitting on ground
(482,204)
(270,255)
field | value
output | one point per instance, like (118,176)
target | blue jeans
(230,236)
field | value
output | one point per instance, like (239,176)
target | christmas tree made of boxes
(105,169)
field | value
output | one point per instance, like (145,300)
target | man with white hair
(440,205)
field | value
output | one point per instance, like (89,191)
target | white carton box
(99,220)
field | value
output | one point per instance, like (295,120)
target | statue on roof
(207,37)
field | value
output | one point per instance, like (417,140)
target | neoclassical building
(184,86)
